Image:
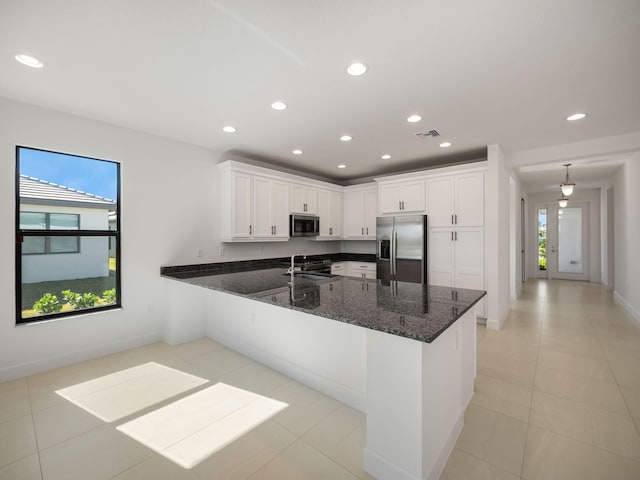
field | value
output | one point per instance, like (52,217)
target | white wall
(627,235)
(590,195)
(515,235)
(497,238)
(169,210)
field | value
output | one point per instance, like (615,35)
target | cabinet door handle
(367,230)
(249,229)
(403,204)
(456,236)
(452,236)
(451,219)
(456,217)
(399,205)
(330,230)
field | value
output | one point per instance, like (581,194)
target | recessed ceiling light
(445,144)
(414,118)
(229,129)
(342,165)
(356,69)
(346,138)
(278,105)
(29,61)
(296,152)
(576,116)
(386,156)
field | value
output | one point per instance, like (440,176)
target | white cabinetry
(362,270)
(304,199)
(270,208)
(402,197)
(456,258)
(354,269)
(330,213)
(456,231)
(360,212)
(339,268)
(237,206)
(456,200)
(252,207)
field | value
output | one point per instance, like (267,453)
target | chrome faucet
(293,268)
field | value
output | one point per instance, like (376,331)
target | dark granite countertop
(419,312)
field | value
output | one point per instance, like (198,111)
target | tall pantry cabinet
(456,231)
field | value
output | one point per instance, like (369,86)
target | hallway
(557,394)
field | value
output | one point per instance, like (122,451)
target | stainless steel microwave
(304,226)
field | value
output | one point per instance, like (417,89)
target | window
(67,235)
(542,239)
(50,221)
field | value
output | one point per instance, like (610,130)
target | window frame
(20,234)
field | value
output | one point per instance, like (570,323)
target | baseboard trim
(620,300)
(41,365)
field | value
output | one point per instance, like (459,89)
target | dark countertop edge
(202,269)
(357,323)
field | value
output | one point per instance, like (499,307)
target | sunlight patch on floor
(193,428)
(118,395)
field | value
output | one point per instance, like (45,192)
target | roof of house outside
(34,190)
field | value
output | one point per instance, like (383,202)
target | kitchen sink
(311,276)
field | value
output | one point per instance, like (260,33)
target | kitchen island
(402,353)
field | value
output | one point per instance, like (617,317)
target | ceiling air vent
(430,133)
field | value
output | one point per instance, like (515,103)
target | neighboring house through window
(67,237)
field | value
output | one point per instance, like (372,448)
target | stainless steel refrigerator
(402,249)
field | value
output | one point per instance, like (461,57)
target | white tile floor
(557,397)
(558,391)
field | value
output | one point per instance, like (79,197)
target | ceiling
(479,73)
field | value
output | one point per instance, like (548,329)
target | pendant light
(567,186)
(562,202)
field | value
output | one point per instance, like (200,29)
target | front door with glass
(563,241)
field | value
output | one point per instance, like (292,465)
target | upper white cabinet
(304,199)
(255,203)
(402,197)
(253,208)
(360,212)
(330,213)
(270,209)
(456,200)
(240,209)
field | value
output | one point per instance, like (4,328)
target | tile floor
(557,396)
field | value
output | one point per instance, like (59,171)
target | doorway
(563,241)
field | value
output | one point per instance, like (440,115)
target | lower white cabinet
(354,269)
(456,258)
(363,270)
(339,268)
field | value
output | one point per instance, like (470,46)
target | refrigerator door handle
(394,240)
